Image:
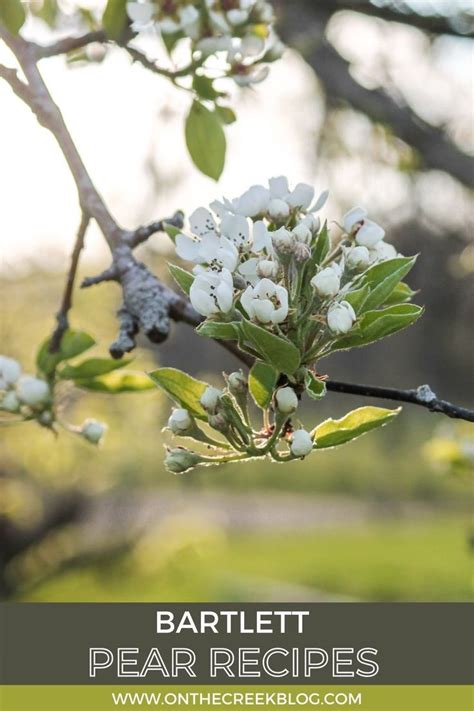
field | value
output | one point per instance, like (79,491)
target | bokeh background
(374,101)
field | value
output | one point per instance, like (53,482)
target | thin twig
(62,317)
(68,44)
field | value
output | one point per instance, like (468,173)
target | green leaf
(277,351)
(383,278)
(170,40)
(91,368)
(219,330)
(115,18)
(205,140)
(375,325)
(262,381)
(115,382)
(182,388)
(205,88)
(400,295)
(12,15)
(73,343)
(315,388)
(182,277)
(226,115)
(332,433)
(322,246)
(358,298)
(172,231)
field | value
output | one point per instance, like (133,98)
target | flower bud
(301,443)
(341,317)
(266,269)
(180,421)
(286,400)
(93,431)
(238,383)
(301,252)
(46,418)
(33,391)
(358,258)
(313,223)
(210,399)
(383,251)
(278,210)
(369,234)
(302,233)
(178,460)
(283,241)
(326,282)
(218,422)
(10,402)
(10,370)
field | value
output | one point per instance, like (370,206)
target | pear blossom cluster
(28,397)
(240,32)
(264,265)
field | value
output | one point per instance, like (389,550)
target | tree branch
(435,149)
(459,24)
(69,44)
(66,303)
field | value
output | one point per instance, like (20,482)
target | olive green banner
(362,698)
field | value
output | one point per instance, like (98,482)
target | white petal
(301,196)
(224,295)
(236,228)
(202,302)
(187,248)
(247,300)
(320,202)
(252,46)
(208,248)
(265,289)
(218,20)
(141,12)
(202,222)
(261,238)
(369,234)
(168,26)
(351,218)
(253,202)
(279,187)
(263,310)
(237,17)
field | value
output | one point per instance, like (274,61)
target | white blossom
(278,210)
(266,302)
(212,292)
(252,75)
(266,268)
(253,202)
(326,282)
(10,370)
(283,241)
(180,421)
(286,400)
(33,391)
(353,218)
(302,232)
(301,443)
(279,187)
(313,223)
(341,317)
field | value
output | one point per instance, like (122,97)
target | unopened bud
(358,258)
(283,241)
(46,418)
(312,223)
(301,252)
(301,443)
(10,402)
(238,383)
(180,460)
(302,233)
(326,282)
(10,370)
(266,269)
(93,431)
(286,400)
(341,317)
(180,421)
(33,391)
(210,399)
